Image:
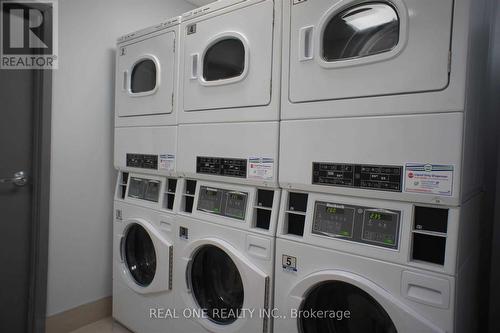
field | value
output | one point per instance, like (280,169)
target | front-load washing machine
(383,98)
(143,245)
(229,104)
(224,258)
(353,265)
(147,69)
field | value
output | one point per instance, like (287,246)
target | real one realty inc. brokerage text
(166,313)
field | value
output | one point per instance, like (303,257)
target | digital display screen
(144,189)
(333,220)
(137,188)
(153,191)
(375,216)
(233,196)
(335,210)
(381,228)
(210,199)
(236,205)
(223,202)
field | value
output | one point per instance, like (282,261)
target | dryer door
(146,257)
(351,48)
(228,59)
(225,284)
(145,76)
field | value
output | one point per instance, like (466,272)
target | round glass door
(366,314)
(143,78)
(224,60)
(217,285)
(140,255)
(360,31)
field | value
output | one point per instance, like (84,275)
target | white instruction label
(435,179)
(260,168)
(166,162)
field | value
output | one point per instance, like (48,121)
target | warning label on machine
(260,168)
(167,162)
(435,179)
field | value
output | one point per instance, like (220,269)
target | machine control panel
(367,225)
(372,177)
(142,161)
(223,202)
(221,166)
(144,189)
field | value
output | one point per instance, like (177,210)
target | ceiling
(199,2)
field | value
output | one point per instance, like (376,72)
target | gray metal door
(16,151)
(21,256)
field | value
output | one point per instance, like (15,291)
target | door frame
(39,238)
(40,179)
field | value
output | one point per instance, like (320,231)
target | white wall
(80,243)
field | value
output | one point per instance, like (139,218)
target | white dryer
(383,98)
(344,58)
(231,57)
(351,265)
(143,245)
(147,63)
(225,258)
(229,104)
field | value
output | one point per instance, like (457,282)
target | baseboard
(80,316)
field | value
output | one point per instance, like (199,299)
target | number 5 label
(289,263)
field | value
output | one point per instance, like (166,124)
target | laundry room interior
(250,166)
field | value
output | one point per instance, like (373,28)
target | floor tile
(107,325)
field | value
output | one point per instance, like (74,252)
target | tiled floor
(107,325)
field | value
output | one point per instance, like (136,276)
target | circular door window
(361,31)
(217,285)
(224,59)
(140,255)
(143,78)
(333,297)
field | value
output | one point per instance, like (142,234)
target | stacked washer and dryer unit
(374,110)
(228,156)
(197,204)
(146,197)
(380,165)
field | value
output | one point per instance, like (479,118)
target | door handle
(20,179)
(306,43)
(194,66)
(125,81)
